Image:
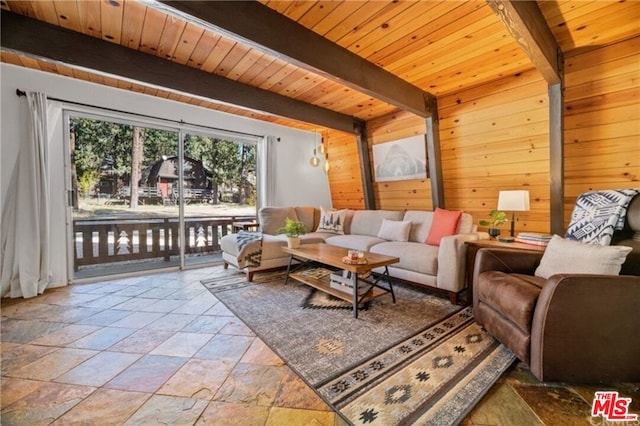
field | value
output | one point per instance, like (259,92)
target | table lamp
(513,201)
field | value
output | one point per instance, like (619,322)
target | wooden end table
(328,255)
(472,251)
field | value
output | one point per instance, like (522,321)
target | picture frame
(402,159)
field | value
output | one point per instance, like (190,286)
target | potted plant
(497,219)
(293,229)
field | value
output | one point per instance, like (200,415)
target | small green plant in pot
(497,218)
(293,229)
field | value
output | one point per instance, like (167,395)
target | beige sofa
(437,267)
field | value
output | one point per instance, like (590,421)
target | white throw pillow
(394,230)
(573,257)
(332,221)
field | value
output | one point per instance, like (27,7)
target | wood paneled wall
(401,195)
(602,120)
(496,137)
(492,137)
(345,179)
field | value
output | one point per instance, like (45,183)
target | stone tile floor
(160,349)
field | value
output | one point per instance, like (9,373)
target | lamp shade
(513,201)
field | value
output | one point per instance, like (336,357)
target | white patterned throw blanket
(249,249)
(597,214)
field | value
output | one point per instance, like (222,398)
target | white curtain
(25,214)
(266,175)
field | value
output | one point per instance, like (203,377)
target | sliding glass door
(219,189)
(144,197)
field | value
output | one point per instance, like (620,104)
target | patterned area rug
(223,283)
(320,300)
(418,361)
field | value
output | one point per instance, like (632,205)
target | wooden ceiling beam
(529,28)
(265,29)
(40,39)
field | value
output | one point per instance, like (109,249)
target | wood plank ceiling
(438,46)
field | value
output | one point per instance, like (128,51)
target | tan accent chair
(570,327)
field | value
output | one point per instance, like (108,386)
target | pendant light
(314,161)
(325,153)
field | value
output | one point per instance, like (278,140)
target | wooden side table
(472,251)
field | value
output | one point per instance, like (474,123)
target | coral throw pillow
(445,223)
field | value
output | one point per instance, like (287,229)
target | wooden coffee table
(331,256)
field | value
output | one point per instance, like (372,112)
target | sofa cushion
(357,242)
(574,257)
(514,296)
(332,221)
(272,218)
(315,237)
(348,219)
(416,257)
(368,222)
(307,215)
(394,230)
(465,225)
(444,224)
(420,224)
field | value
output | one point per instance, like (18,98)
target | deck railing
(123,240)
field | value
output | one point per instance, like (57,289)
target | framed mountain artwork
(402,159)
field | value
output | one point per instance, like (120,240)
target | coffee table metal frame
(328,255)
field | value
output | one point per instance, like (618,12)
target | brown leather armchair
(570,327)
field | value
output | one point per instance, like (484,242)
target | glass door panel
(219,189)
(125,212)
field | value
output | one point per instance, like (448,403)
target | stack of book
(316,272)
(534,238)
(342,281)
